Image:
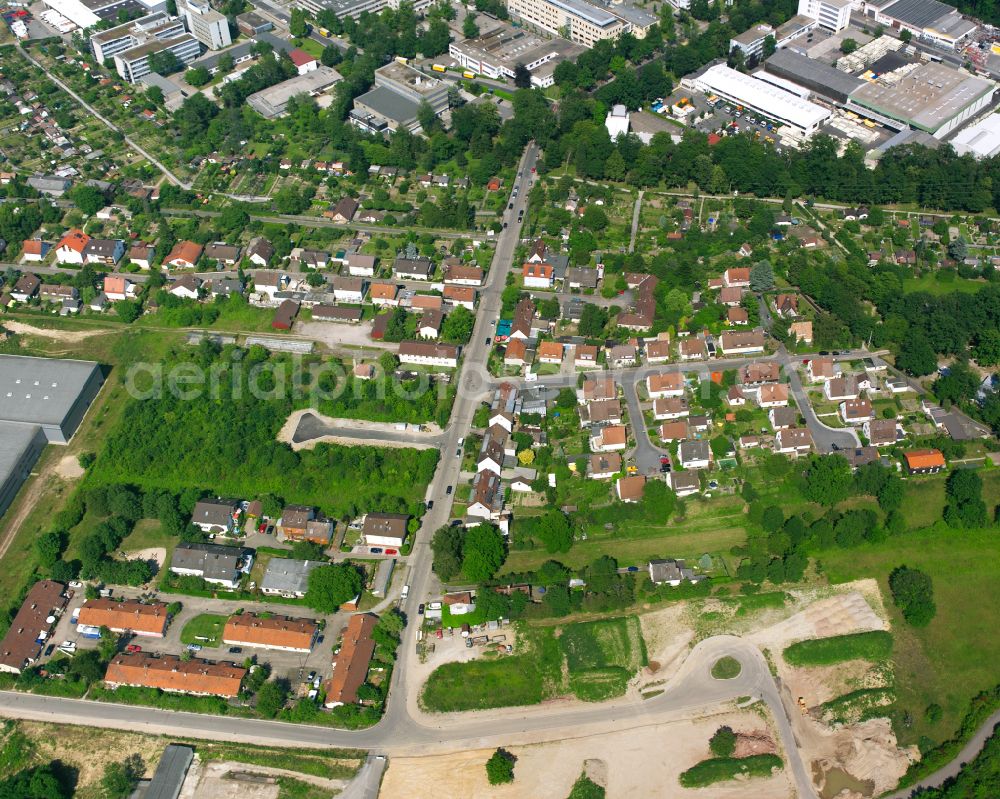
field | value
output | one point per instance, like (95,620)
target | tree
(916,355)
(913,593)
(905,36)
(331,586)
(483,552)
(987,347)
(723,743)
(331,56)
(307,550)
(958,250)
(522,76)
(447,548)
(470,30)
(593,320)
(594,218)
(762,276)
(526,457)
(128,310)
(298,26)
(271,698)
(426,117)
(165,62)
(49,547)
(120,779)
(555,532)
(197,76)
(500,767)
(39,782)
(457,326)
(89,199)
(848,46)
(828,479)
(965,506)
(155,95)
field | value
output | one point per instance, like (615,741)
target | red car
(133,648)
(391,552)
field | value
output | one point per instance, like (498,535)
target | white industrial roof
(981,139)
(770,100)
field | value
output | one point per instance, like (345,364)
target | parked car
(194,647)
(448,490)
(420,609)
(392,552)
(376,550)
(311,677)
(51,647)
(133,648)
(235,650)
(633,568)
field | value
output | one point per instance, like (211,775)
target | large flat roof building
(50,393)
(133,64)
(87,13)
(585,22)
(112,41)
(760,96)
(981,139)
(820,78)
(930,97)
(928,20)
(209,27)
(496,53)
(273,101)
(393,102)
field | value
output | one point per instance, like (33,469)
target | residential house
(856,411)
(597,388)
(758,373)
(487,496)
(119,287)
(383,293)
(665,384)
(786,306)
(301,523)
(550,352)
(521,479)
(385,529)
(26,287)
(259,251)
(427,353)
(343,211)
(880,432)
(270,631)
(737,316)
(351,663)
(288,578)
(184,255)
(225,254)
(736,277)
(658,351)
(34,250)
(270,283)
(359,265)
(586,355)
(413,268)
(460,295)
(630,489)
(924,461)
(601,412)
(674,431)
(51,292)
(304,62)
(694,454)
(187,287)
(72,247)
(821,369)
(692,349)
(349,290)
(621,356)
(731,297)
(685,483)
(216,515)
(427,302)
(793,440)
(772,395)
(783,418)
(142,255)
(31,626)
(220,565)
(524,315)
(604,465)
(537,275)
(841,388)
(463,275)
(742,342)
(735,397)
(802,331)
(670,408)
(172,674)
(460,603)
(125,616)
(608,439)
(578,277)
(515,353)
(671,572)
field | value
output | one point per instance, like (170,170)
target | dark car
(489,340)
(823,352)
(430,504)
(235,650)
(49,649)
(448,491)
(510,206)
(633,568)
(420,609)
(376,550)
(456,522)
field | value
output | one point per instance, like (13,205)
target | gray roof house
(671,572)
(215,515)
(287,577)
(212,562)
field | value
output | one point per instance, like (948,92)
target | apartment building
(208,26)
(579,21)
(133,64)
(834,15)
(109,43)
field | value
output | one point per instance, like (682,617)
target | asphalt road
(311,426)
(825,438)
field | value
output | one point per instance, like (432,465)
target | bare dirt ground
(286,434)
(159,554)
(627,762)
(69,468)
(67,336)
(225,780)
(333,335)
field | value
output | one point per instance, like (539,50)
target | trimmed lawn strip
(721,769)
(204,630)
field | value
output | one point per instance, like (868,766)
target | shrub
(500,767)
(723,743)
(719,769)
(875,645)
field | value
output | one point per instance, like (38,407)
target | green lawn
(204,629)
(956,656)
(929,282)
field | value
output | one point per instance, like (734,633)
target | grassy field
(956,655)
(874,645)
(204,629)
(592,660)
(930,283)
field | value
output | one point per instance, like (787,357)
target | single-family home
(924,461)
(550,352)
(802,331)
(142,254)
(601,412)
(793,440)
(106,252)
(72,247)
(381,292)
(786,306)
(772,395)
(856,411)
(463,275)
(579,277)
(735,397)
(783,418)
(758,373)
(119,287)
(674,431)
(52,292)
(301,523)
(269,283)
(225,254)
(841,388)
(736,277)
(515,353)
(692,349)
(359,265)
(34,250)
(731,297)
(537,275)
(685,483)
(412,268)
(621,356)
(460,295)
(608,439)
(670,408)
(671,572)
(524,315)
(459,603)
(597,388)
(428,353)
(737,316)
(216,515)
(585,356)
(259,251)
(385,529)
(880,432)
(658,351)
(188,287)
(343,211)
(429,325)
(184,255)
(604,465)
(487,496)
(26,287)
(665,384)
(742,342)
(349,290)
(631,488)
(304,62)
(216,564)
(694,454)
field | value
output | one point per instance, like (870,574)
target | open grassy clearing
(721,769)
(591,660)
(875,645)
(930,283)
(956,656)
(204,630)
